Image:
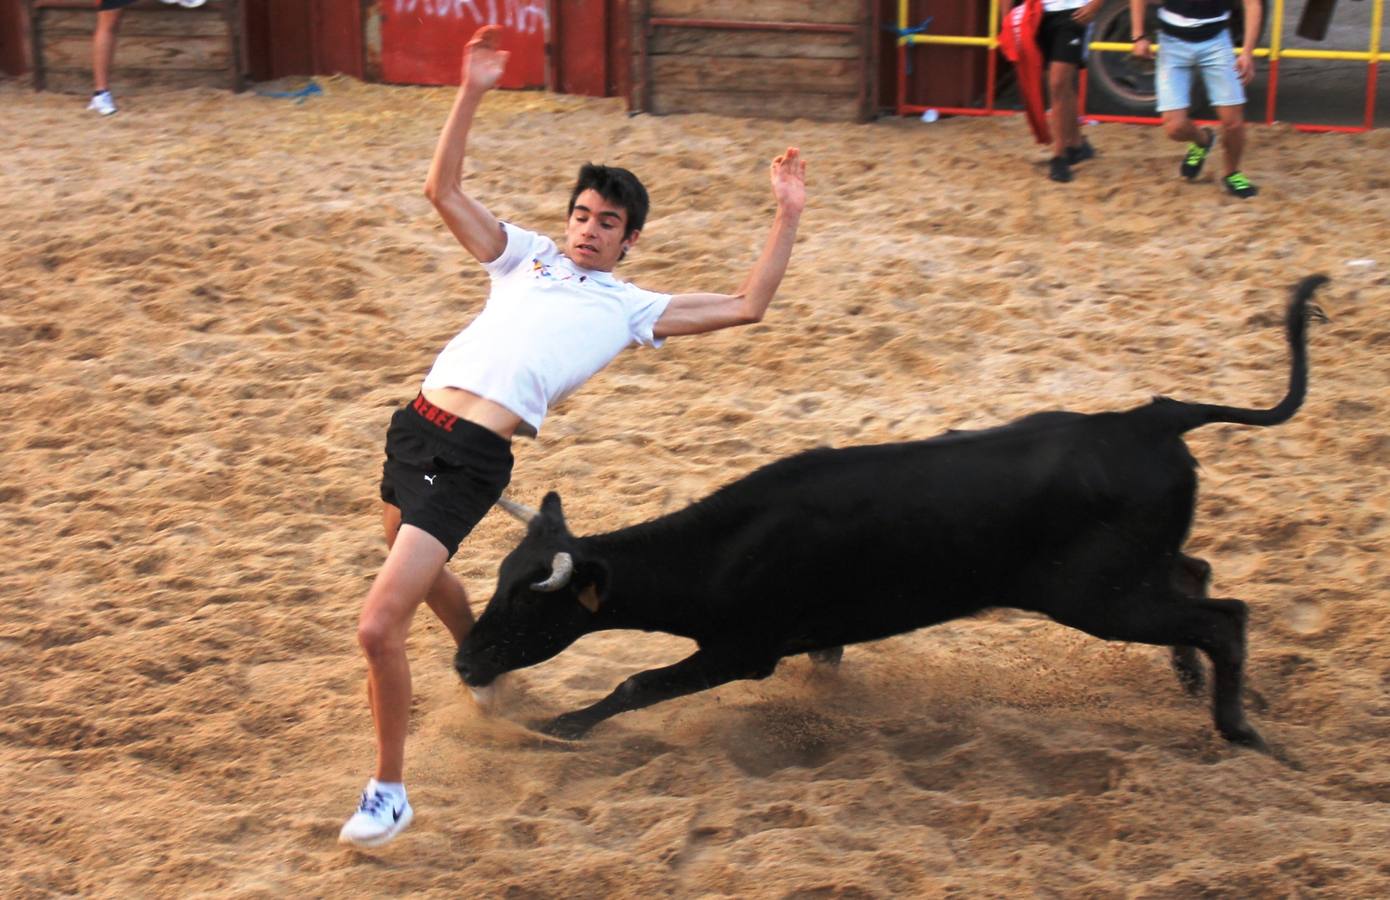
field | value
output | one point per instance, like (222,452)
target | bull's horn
(561,568)
(524,513)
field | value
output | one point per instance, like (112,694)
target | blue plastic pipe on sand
(298,96)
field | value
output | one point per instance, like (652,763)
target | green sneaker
(1196,156)
(1238,185)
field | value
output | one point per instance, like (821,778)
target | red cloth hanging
(1018,41)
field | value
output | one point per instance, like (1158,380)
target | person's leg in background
(103,52)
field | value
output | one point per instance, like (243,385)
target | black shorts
(114,4)
(1062,39)
(442,472)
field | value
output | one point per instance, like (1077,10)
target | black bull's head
(548,595)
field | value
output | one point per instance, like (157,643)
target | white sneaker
(103,103)
(379,818)
(190,4)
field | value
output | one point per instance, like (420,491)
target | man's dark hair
(617,186)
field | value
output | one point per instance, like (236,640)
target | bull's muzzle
(468,672)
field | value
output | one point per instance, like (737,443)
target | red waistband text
(434,415)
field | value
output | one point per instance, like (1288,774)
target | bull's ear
(552,510)
(593,576)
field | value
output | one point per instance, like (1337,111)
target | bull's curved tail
(1194,415)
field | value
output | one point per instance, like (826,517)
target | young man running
(1194,36)
(1063,36)
(555,317)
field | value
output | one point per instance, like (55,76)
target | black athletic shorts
(443,473)
(1062,39)
(114,4)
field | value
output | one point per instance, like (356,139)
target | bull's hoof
(1246,737)
(566,727)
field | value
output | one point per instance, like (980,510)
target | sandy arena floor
(210,305)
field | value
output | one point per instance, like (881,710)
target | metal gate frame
(1372,56)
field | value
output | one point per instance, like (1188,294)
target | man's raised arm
(698,313)
(476,229)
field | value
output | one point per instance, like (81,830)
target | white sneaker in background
(379,818)
(103,102)
(188,4)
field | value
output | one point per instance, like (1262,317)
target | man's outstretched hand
(484,60)
(789,180)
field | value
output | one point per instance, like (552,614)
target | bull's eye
(526,586)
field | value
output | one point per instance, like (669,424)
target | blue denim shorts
(1178,59)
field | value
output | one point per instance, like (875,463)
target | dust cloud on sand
(210,305)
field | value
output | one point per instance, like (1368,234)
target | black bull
(1080,517)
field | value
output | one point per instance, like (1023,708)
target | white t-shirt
(1062,5)
(547,327)
(1182,21)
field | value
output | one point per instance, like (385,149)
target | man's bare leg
(1232,135)
(412,567)
(1061,84)
(414,571)
(104,48)
(447,596)
(1179,127)
(1066,133)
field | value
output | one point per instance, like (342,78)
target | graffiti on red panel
(421,40)
(522,16)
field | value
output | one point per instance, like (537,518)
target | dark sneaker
(1196,156)
(1238,185)
(1081,152)
(1059,169)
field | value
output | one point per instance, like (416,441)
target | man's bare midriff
(479,410)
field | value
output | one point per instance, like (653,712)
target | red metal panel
(619,48)
(292,42)
(338,37)
(421,40)
(303,37)
(256,20)
(13,38)
(582,37)
(279,38)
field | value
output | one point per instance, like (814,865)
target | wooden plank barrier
(157,45)
(779,59)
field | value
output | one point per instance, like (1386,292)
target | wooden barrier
(158,44)
(779,59)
